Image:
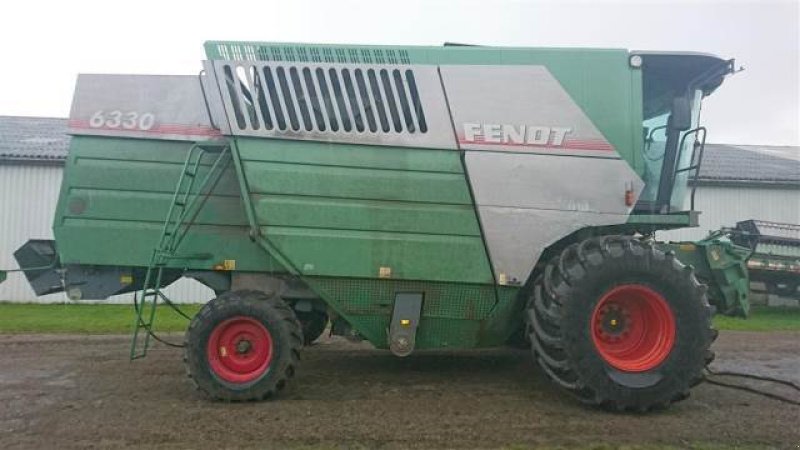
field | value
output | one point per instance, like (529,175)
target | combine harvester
(416,197)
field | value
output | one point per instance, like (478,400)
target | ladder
(187,201)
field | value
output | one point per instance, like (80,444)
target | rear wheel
(313,324)
(243,345)
(620,324)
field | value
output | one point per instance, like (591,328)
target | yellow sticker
(126,279)
(502,279)
(385,272)
(687,247)
(229,264)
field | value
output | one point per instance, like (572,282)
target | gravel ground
(81,391)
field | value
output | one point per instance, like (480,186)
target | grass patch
(762,318)
(18,318)
(86,319)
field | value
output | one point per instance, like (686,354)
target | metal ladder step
(184,204)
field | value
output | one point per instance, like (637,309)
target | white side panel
(517,236)
(595,185)
(28,198)
(538,166)
(527,202)
(518,109)
(141,106)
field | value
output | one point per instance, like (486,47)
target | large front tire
(621,324)
(243,345)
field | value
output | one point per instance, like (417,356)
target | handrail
(692,164)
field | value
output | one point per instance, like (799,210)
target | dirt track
(77,391)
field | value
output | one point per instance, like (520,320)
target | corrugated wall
(724,206)
(28,196)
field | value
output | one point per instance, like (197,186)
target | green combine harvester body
(413,195)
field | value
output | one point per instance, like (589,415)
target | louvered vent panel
(301,98)
(303,53)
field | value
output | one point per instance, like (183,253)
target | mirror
(681,116)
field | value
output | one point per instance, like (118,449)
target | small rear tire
(243,345)
(620,324)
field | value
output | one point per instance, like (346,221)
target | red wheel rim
(633,328)
(239,349)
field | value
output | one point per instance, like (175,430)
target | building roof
(35,139)
(750,165)
(40,139)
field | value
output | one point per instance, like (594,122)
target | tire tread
(552,290)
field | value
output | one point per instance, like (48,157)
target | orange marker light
(628,197)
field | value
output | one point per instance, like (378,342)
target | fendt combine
(415,197)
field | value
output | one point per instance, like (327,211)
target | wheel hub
(614,321)
(633,328)
(243,346)
(239,349)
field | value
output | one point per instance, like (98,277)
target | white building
(735,183)
(741,182)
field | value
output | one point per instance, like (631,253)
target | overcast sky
(45,44)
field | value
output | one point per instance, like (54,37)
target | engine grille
(305,53)
(336,99)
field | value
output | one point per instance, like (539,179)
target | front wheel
(243,345)
(621,324)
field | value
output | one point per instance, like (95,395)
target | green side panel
(600,81)
(334,210)
(353,183)
(347,253)
(348,155)
(129,243)
(349,210)
(648,223)
(505,319)
(453,314)
(368,215)
(114,198)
